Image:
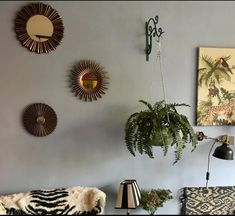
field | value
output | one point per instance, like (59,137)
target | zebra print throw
(208,201)
(70,201)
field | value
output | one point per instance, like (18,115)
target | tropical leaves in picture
(214,70)
(227,95)
(203,108)
(214,73)
(213,76)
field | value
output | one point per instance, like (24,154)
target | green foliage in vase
(152,199)
(159,125)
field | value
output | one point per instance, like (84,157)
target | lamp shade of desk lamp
(128,195)
(224,151)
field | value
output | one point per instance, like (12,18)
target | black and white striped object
(128,195)
(49,202)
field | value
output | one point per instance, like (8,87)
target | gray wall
(87,148)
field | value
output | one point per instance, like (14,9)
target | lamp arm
(208,163)
(201,136)
(215,139)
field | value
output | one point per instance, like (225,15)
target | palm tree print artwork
(216,86)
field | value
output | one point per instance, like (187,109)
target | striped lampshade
(128,195)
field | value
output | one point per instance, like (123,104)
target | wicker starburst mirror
(39,119)
(39,27)
(88,80)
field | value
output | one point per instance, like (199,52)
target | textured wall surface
(87,147)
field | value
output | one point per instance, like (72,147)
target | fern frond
(179,104)
(130,133)
(162,125)
(158,105)
(147,104)
(148,150)
(178,149)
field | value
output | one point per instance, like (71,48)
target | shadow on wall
(111,197)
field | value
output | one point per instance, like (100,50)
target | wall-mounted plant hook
(151,30)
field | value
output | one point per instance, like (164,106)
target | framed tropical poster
(216,86)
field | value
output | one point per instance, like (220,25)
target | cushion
(69,201)
(2,210)
(218,200)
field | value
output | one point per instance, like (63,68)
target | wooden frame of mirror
(39,27)
(39,119)
(88,80)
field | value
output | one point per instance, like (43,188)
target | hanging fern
(159,125)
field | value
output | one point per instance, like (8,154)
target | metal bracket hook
(151,30)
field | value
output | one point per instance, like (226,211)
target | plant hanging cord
(159,58)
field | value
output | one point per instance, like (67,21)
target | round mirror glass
(40,120)
(39,28)
(88,80)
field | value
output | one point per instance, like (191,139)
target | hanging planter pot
(161,137)
(159,125)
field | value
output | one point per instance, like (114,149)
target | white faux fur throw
(73,200)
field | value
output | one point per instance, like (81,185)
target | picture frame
(215,86)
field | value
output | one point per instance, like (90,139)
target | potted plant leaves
(152,199)
(159,125)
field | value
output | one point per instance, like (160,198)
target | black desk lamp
(222,152)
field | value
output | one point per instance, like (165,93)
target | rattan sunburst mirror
(39,119)
(88,80)
(39,27)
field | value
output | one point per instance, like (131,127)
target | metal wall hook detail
(151,30)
